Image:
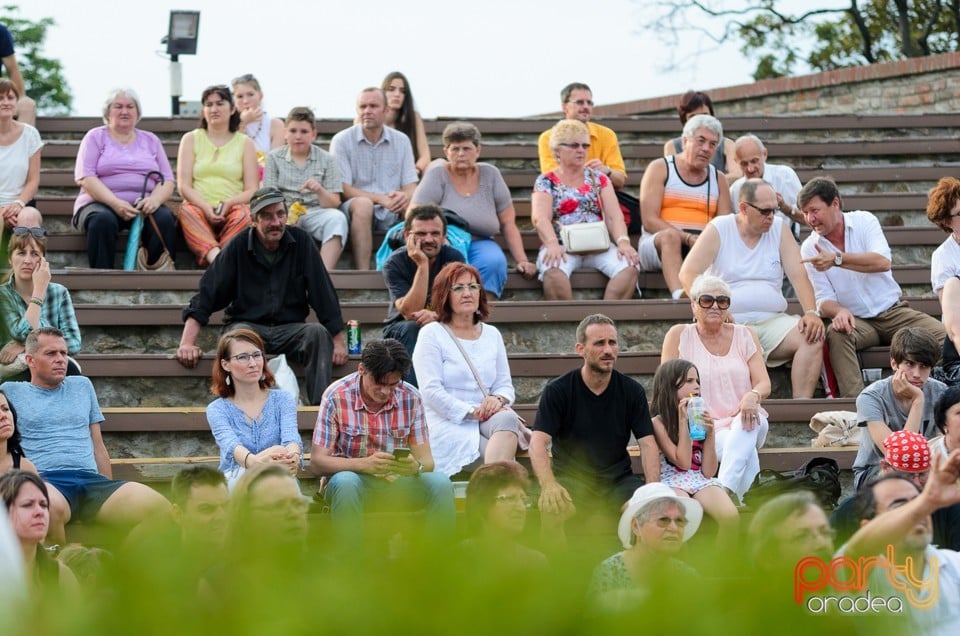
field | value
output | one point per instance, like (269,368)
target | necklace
(256,133)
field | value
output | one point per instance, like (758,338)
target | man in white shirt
(896,525)
(848,261)
(751,154)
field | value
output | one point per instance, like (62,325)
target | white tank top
(259,132)
(755,275)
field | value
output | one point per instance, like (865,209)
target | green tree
(43,76)
(847,33)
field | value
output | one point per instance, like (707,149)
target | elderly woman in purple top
(112,164)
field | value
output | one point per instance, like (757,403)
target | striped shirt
(689,206)
(350,429)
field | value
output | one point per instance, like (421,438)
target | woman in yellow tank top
(217,175)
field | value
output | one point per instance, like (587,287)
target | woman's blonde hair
(566,130)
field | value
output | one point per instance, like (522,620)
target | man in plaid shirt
(371,441)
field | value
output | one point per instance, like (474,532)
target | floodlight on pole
(181,39)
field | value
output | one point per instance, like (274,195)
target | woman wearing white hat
(653,528)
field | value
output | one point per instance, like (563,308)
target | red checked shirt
(350,429)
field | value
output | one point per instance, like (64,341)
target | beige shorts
(771,332)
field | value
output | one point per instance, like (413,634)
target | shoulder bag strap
(473,369)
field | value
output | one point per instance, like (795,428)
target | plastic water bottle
(696,407)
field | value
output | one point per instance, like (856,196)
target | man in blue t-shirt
(59,422)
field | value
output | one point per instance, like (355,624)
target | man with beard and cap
(409,274)
(268,278)
(584,422)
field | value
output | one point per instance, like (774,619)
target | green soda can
(353,337)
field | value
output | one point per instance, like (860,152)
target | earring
(263,376)
(227,380)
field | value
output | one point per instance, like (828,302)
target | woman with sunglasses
(733,378)
(265,131)
(217,174)
(469,424)
(20,148)
(28,299)
(653,528)
(251,423)
(571,194)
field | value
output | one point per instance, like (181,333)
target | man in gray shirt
(378,172)
(904,401)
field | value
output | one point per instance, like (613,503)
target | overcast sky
(482,58)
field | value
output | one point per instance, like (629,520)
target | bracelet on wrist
(246,457)
(757,393)
(36,301)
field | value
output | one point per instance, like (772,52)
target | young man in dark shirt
(587,416)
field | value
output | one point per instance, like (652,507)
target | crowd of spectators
(434,398)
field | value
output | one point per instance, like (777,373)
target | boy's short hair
(301,113)
(915,344)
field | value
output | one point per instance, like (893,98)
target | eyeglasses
(35,232)
(244,358)
(664,522)
(707,301)
(459,289)
(763,211)
(513,500)
(581,102)
(574,146)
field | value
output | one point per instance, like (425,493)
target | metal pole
(176,83)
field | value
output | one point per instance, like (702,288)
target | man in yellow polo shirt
(576,100)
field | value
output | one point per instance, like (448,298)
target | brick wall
(920,85)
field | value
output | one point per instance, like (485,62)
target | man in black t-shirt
(588,415)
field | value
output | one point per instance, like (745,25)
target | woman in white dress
(466,422)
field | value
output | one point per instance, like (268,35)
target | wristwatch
(815,312)
(838,259)
(419,468)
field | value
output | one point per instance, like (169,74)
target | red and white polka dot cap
(907,451)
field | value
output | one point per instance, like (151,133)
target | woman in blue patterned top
(251,423)
(29,300)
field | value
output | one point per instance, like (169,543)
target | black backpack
(820,475)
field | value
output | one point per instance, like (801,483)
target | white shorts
(610,263)
(324,224)
(771,332)
(649,258)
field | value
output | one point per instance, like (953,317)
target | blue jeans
(349,494)
(488,257)
(406,331)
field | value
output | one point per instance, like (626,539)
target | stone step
(133,379)
(89,286)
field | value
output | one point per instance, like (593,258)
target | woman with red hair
(468,420)
(251,423)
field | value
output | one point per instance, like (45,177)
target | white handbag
(585,238)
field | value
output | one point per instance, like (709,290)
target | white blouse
(450,391)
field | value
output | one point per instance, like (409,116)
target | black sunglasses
(707,301)
(36,232)
(763,211)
